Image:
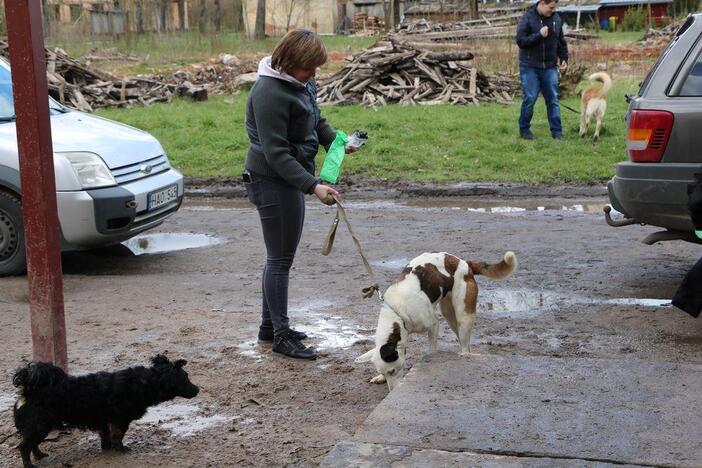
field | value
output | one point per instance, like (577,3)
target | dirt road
(605,294)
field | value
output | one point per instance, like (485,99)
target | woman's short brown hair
(299,48)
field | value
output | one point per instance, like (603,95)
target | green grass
(161,51)
(620,37)
(439,143)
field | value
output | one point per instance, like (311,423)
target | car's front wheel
(12,259)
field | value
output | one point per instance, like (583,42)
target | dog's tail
(496,270)
(36,376)
(603,78)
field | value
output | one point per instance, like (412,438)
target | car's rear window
(686,25)
(693,83)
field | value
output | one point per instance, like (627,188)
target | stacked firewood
(660,37)
(362,21)
(394,72)
(74,84)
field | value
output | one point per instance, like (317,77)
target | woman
(285,130)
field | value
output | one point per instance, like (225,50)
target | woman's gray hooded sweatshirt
(285,128)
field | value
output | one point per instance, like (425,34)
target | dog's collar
(394,311)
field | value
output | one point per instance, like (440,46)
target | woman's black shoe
(266,334)
(288,345)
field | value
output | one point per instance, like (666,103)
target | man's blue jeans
(546,81)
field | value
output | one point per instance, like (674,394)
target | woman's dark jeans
(281,208)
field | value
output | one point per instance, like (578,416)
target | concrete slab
(359,455)
(598,410)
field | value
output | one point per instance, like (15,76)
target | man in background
(542,53)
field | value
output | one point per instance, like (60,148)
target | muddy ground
(582,289)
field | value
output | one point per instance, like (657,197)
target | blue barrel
(604,24)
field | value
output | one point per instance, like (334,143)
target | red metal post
(41,225)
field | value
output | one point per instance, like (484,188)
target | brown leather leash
(329,243)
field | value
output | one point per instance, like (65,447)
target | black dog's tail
(36,376)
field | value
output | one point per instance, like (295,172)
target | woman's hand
(326,194)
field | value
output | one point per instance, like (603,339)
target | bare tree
(202,16)
(260,30)
(238,15)
(47,19)
(162,14)
(181,15)
(290,7)
(395,13)
(139,14)
(217,16)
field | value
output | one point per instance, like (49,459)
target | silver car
(664,141)
(112,181)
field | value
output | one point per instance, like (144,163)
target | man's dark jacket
(538,51)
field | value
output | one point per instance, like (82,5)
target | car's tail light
(649,131)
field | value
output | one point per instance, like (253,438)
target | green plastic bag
(699,234)
(335,156)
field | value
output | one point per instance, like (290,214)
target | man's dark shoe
(266,334)
(558,136)
(527,135)
(287,345)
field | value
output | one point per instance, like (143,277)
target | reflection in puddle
(181,419)
(393,264)
(250,349)
(330,332)
(528,303)
(169,242)
(311,306)
(6,401)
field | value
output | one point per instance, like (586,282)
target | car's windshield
(7,107)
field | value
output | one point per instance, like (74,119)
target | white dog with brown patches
(410,303)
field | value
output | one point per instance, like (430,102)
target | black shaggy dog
(106,402)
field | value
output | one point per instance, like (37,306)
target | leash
(329,243)
(570,108)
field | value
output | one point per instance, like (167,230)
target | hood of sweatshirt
(265,69)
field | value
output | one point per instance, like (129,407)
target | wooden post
(41,224)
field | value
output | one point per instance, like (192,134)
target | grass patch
(160,51)
(620,37)
(421,143)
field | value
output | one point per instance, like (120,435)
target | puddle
(310,306)
(250,349)
(529,303)
(181,419)
(6,401)
(395,264)
(331,332)
(169,242)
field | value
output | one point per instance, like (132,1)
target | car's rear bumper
(91,218)
(654,193)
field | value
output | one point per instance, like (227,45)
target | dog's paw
(123,449)
(38,454)
(378,379)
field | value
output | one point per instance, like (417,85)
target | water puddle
(182,420)
(332,332)
(529,303)
(149,244)
(395,264)
(6,401)
(251,349)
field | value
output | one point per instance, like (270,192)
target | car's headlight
(91,170)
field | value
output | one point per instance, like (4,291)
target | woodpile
(77,85)
(659,38)
(499,27)
(395,72)
(362,21)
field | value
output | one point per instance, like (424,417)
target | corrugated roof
(575,8)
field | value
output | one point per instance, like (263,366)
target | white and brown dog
(593,103)
(409,306)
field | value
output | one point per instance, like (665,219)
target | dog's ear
(388,352)
(180,363)
(365,357)
(159,359)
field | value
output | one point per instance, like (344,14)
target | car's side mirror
(628,97)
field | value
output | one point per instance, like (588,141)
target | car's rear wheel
(12,257)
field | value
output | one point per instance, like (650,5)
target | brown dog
(594,103)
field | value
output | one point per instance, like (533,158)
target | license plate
(162,197)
